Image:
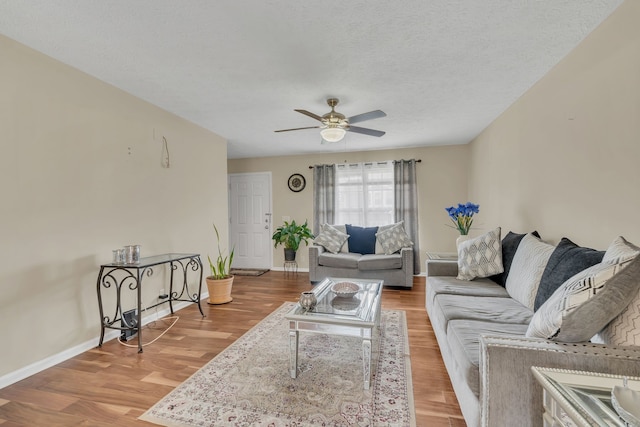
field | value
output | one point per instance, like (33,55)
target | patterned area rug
(248,271)
(248,384)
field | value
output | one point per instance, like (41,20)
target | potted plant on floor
(290,235)
(221,281)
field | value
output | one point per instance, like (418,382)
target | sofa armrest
(509,393)
(437,267)
(407,266)
(314,256)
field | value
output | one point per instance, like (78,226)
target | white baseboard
(110,334)
(300,270)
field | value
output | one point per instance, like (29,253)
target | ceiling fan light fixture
(333,134)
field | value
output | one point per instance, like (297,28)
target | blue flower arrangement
(462,216)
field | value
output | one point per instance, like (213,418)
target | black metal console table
(119,276)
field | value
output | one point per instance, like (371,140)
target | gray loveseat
(348,251)
(395,269)
(481,331)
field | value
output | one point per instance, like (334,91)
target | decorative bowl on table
(626,402)
(345,289)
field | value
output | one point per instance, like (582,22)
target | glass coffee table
(355,316)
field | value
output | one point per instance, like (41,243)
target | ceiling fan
(335,125)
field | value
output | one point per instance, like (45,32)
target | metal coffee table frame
(353,317)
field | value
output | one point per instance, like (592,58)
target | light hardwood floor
(113,385)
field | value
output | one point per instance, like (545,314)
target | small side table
(578,398)
(290,267)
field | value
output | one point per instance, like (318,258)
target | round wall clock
(296,182)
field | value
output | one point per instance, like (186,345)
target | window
(364,194)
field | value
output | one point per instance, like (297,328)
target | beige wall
(565,158)
(442,181)
(80,175)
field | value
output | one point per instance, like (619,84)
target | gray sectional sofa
(481,331)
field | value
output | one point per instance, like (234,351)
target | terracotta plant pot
(219,290)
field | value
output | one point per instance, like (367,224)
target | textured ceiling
(442,70)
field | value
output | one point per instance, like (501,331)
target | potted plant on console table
(220,281)
(291,235)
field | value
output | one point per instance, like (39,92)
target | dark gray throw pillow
(510,244)
(566,260)
(362,240)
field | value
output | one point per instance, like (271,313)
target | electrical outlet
(129,320)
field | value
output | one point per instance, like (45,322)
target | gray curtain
(405,194)
(323,196)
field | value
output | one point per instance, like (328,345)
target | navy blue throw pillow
(362,240)
(510,244)
(566,260)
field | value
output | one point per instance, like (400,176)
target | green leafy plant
(222,266)
(291,235)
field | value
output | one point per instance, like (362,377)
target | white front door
(250,214)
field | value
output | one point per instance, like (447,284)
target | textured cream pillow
(586,302)
(527,268)
(331,238)
(393,239)
(481,256)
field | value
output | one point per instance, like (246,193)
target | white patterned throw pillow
(625,328)
(586,302)
(480,256)
(393,239)
(331,238)
(527,268)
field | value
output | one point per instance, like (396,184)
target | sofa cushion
(480,256)
(379,262)
(585,303)
(510,244)
(393,239)
(492,309)
(527,268)
(620,248)
(463,338)
(331,238)
(362,240)
(450,285)
(623,330)
(566,260)
(339,260)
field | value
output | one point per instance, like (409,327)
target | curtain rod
(370,163)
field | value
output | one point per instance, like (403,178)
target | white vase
(462,238)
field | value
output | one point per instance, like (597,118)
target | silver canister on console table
(132,253)
(308,300)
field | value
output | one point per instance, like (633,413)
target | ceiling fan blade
(367,116)
(365,131)
(310,114)
(287,130)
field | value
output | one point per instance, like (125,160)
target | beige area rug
(248,271)
(248,384)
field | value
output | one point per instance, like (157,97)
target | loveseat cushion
(491,309)
(463,338)
(331,238)
(341,260)
(379,262)
(362,240)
